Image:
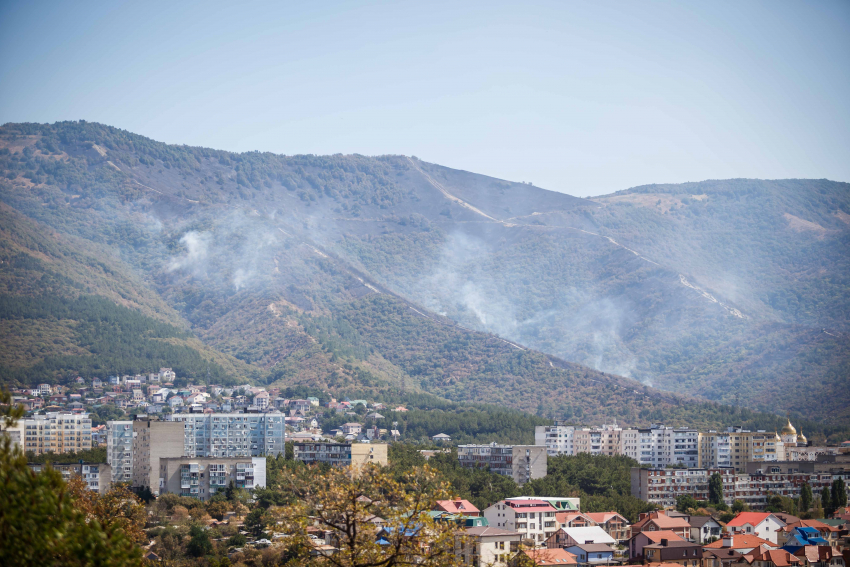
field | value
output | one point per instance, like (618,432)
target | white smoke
(197,248)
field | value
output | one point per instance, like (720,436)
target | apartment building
(97,476)
(203,477)
(605,440)
(520,462)
(533,519)
(784,478)
(232,434)
(486,545)
(119,449)
(342,454)
(660,446)
(56,432)
(154,440)
(558,439)
(741,445)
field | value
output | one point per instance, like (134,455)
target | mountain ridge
(580,280)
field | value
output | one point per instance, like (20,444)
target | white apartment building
(203,477)
(119,450)
(534,519)
(232,434)
(558,438)
(56,432)
(520,462)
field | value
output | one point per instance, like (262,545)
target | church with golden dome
(790,437)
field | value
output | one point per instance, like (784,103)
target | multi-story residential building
(97,476)
(56,432)
(660,446)
(487,545)
(152,441)
(558,438)
(534,519)
(743,445)
(762,479)
(663,486)
(342,454)
(520,462)
(603,440)
(614,524)
(119,449)
(232,434)
(202,477)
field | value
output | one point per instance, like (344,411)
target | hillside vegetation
(392,276)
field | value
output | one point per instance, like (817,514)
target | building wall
(369,453)
(529,462)
(201,477)
(56,432)
(233,434)
(119,449)
(154,440)
(341,454)
(520,462)
(97,476)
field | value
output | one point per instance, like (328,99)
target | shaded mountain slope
(263,257)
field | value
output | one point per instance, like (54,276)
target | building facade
(56,432)
(232,434)
(119,449)
(520,462)
(342,454)
(97,476)
(533,519)
(203,477)
(152,441)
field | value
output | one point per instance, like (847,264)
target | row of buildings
(662,486)
(660,446)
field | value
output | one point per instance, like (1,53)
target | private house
(44,389)
(351,428)
(534,519)
(680,552)
(704,529)
(175,402)
(742,543)
(641,539)
(261,400)
(573,520)
(773,558)
(803,537)
(658,521)
(588,534)
(486,545)
(441,438)
(592,553)
(613,523)
(721,557)
(457,506)
(829,533)
(820,556)
(550,556)
(762,524)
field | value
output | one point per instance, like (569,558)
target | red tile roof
(752,518)
(656,537)
(458,506)
(602,517)
(778,557)
(741,541)
(663,521)
(564,517)
(551,556)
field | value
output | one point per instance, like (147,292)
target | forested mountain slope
(299,270)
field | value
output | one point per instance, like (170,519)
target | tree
(199,544)
(826,501)
(344,501)
(806,497)
(257,521)
(839,494)
(237,540)
(685,502)
(40,522)
(715,489)
(119,508)
(739,506)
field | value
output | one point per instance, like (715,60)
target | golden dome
(801,438)
(789,429)
(776,436)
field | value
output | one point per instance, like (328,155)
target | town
(713,498)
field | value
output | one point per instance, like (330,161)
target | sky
(585,98)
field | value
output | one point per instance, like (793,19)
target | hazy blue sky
(580,97)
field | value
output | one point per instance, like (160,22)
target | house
(261,400)
(351,428)
(457,506)
(175,402)
(721,557)
(374,415)
(44,389)
(803,537)
(302,406)
(829,533)
(677,551)
(441,438)
(658,521)
(592,553)
(762,524)
(613,523)
(587,534)
(641,539)
(704,529)
(138,396)
(534,519)
(742,543)
(313,401)
(96,383)
(773,558)
(486,545)
(115,380)
(820,556)
(79,380)
(550,556)
(573,520)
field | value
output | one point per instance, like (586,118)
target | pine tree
(826,501)
(715,489)
(839,494)
(806,497)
